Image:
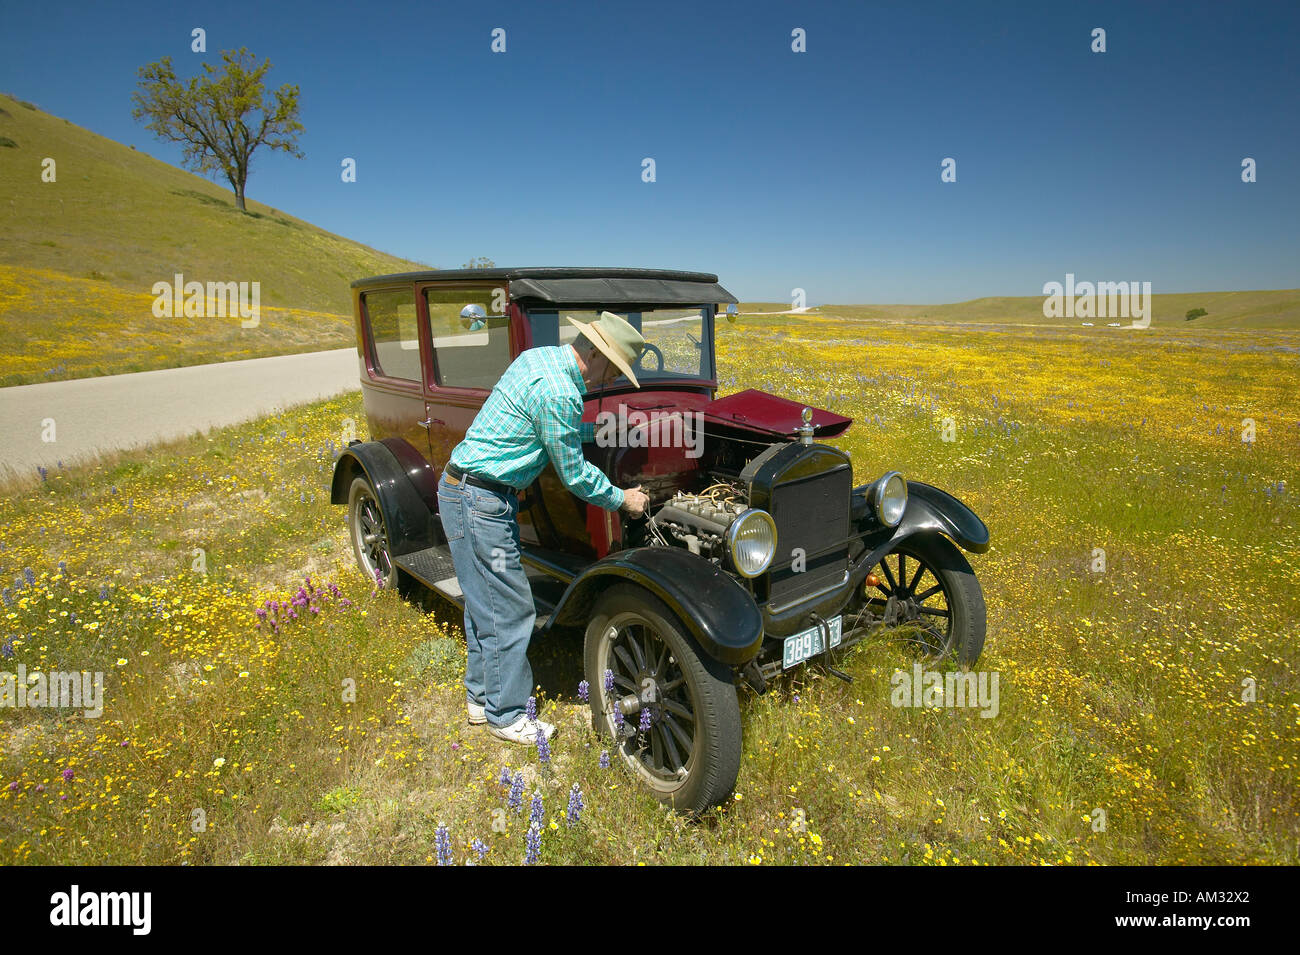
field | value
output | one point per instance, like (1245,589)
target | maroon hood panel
(749,410)
(760,411)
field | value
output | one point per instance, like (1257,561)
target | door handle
(425,424)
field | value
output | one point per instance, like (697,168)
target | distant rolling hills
(1279,309)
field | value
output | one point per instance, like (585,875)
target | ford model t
(756,554)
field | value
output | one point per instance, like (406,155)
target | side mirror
(473,317)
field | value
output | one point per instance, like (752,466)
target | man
(533,415)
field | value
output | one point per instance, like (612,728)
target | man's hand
(635,501)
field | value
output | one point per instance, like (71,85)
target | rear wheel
(679,730)
(927,588)
(368,531)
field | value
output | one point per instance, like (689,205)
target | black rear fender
(405,485)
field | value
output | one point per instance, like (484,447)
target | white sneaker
(477,714)
(522,730)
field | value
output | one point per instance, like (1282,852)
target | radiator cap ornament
(805,430)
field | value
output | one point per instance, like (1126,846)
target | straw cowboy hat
(617,340)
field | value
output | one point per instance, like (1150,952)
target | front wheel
(927,587)
(670,709)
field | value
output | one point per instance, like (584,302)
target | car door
(469,356)
(395,369)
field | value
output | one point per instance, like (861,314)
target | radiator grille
(812,514)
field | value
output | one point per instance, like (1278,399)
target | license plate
(808,643)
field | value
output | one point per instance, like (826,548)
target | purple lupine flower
(6,594)
(442,839)
(504,778)
(618,717)
(516,798)
(535,809)
(584,689)
(42,471)
(63,567)
(530,709)
(29,576)
(534,846)
(609,681)
(643,725)
(604,759)
(575,806)
(543,747)
(479,848)
(7,649)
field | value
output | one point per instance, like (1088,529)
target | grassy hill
(1278,308)
(80,256)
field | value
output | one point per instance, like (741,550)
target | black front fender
(717,611)
(929,511)
(404,484)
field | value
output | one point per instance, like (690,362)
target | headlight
(891,498)
(751,539)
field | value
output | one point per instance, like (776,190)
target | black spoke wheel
(368,532)
(672,714)
(927,586)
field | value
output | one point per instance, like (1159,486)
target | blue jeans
(483,534)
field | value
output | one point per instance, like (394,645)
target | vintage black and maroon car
(757,553)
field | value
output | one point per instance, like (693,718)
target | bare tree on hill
(220,116)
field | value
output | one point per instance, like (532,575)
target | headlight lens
(751,538)
(891,499)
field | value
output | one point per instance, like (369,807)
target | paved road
(116,412)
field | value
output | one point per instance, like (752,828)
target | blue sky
(775,169)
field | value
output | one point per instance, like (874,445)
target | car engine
(699,521)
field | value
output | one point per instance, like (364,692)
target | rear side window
(469,352)
(394,333)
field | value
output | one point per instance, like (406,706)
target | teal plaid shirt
(534,414)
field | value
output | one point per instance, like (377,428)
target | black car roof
(569,286)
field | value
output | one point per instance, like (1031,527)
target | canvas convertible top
(582,286)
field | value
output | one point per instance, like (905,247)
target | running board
(434,568)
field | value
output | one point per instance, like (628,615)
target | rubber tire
(359,484)
(966,597)
(717,706)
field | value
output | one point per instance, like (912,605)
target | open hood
(758,411)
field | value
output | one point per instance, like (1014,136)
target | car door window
(394,333)
(468,352)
